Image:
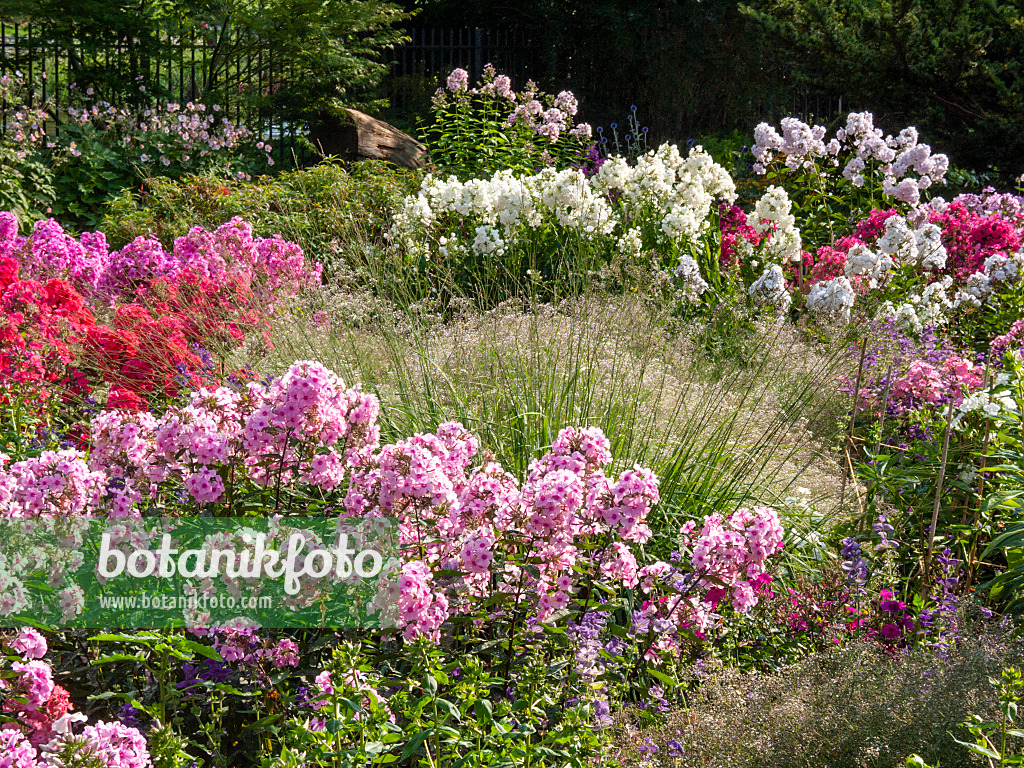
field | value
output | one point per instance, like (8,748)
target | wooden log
(365,137)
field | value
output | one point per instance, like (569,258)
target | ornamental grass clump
(720,435)
(848,708)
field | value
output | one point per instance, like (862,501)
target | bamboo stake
(881,421)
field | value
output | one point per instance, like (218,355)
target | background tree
(299,58)
(329,53)
(951,67)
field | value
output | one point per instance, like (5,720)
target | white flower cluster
(630,244)
(898,241)
(1002,269)
(975,292)
(922,246)
(991,402)
(773,214)
(998,269)
(929,307)
(691,284)
(499,208)
(930,250)
(770,289)
(862,261)
(907,167)
(488,240)
(680,191)
(832,297)
(676,192)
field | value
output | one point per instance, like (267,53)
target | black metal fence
(239,72)
(184,65)
(420,65)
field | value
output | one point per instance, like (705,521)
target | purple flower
(128,715)
(649,748)
(891,631)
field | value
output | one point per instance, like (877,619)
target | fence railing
(434,52)
(236,71)
(186,65)
(179,66)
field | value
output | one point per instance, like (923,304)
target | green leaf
(660,676)
(414,743)
(484,710)
(977,748)
(352,705)
(119,657)
(450,709)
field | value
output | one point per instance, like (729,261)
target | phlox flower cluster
(738,239)
(928,263)
(272,267)
(1011,341)
(997,401)
(988,202)
(770,289)
(832,298)
(304,426)
(187,137)
(210,291)
(544,115)
(41,323)
(927,384)
(691,284)
(929,307)
(54,483)
(727,562)
(676,192)
(41,733)
(730,553)
(917,372)
(971,237)
(501,211)
(800,143)
(773,220)
(481,522)
(141,355)
(246,648)
(904,166)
